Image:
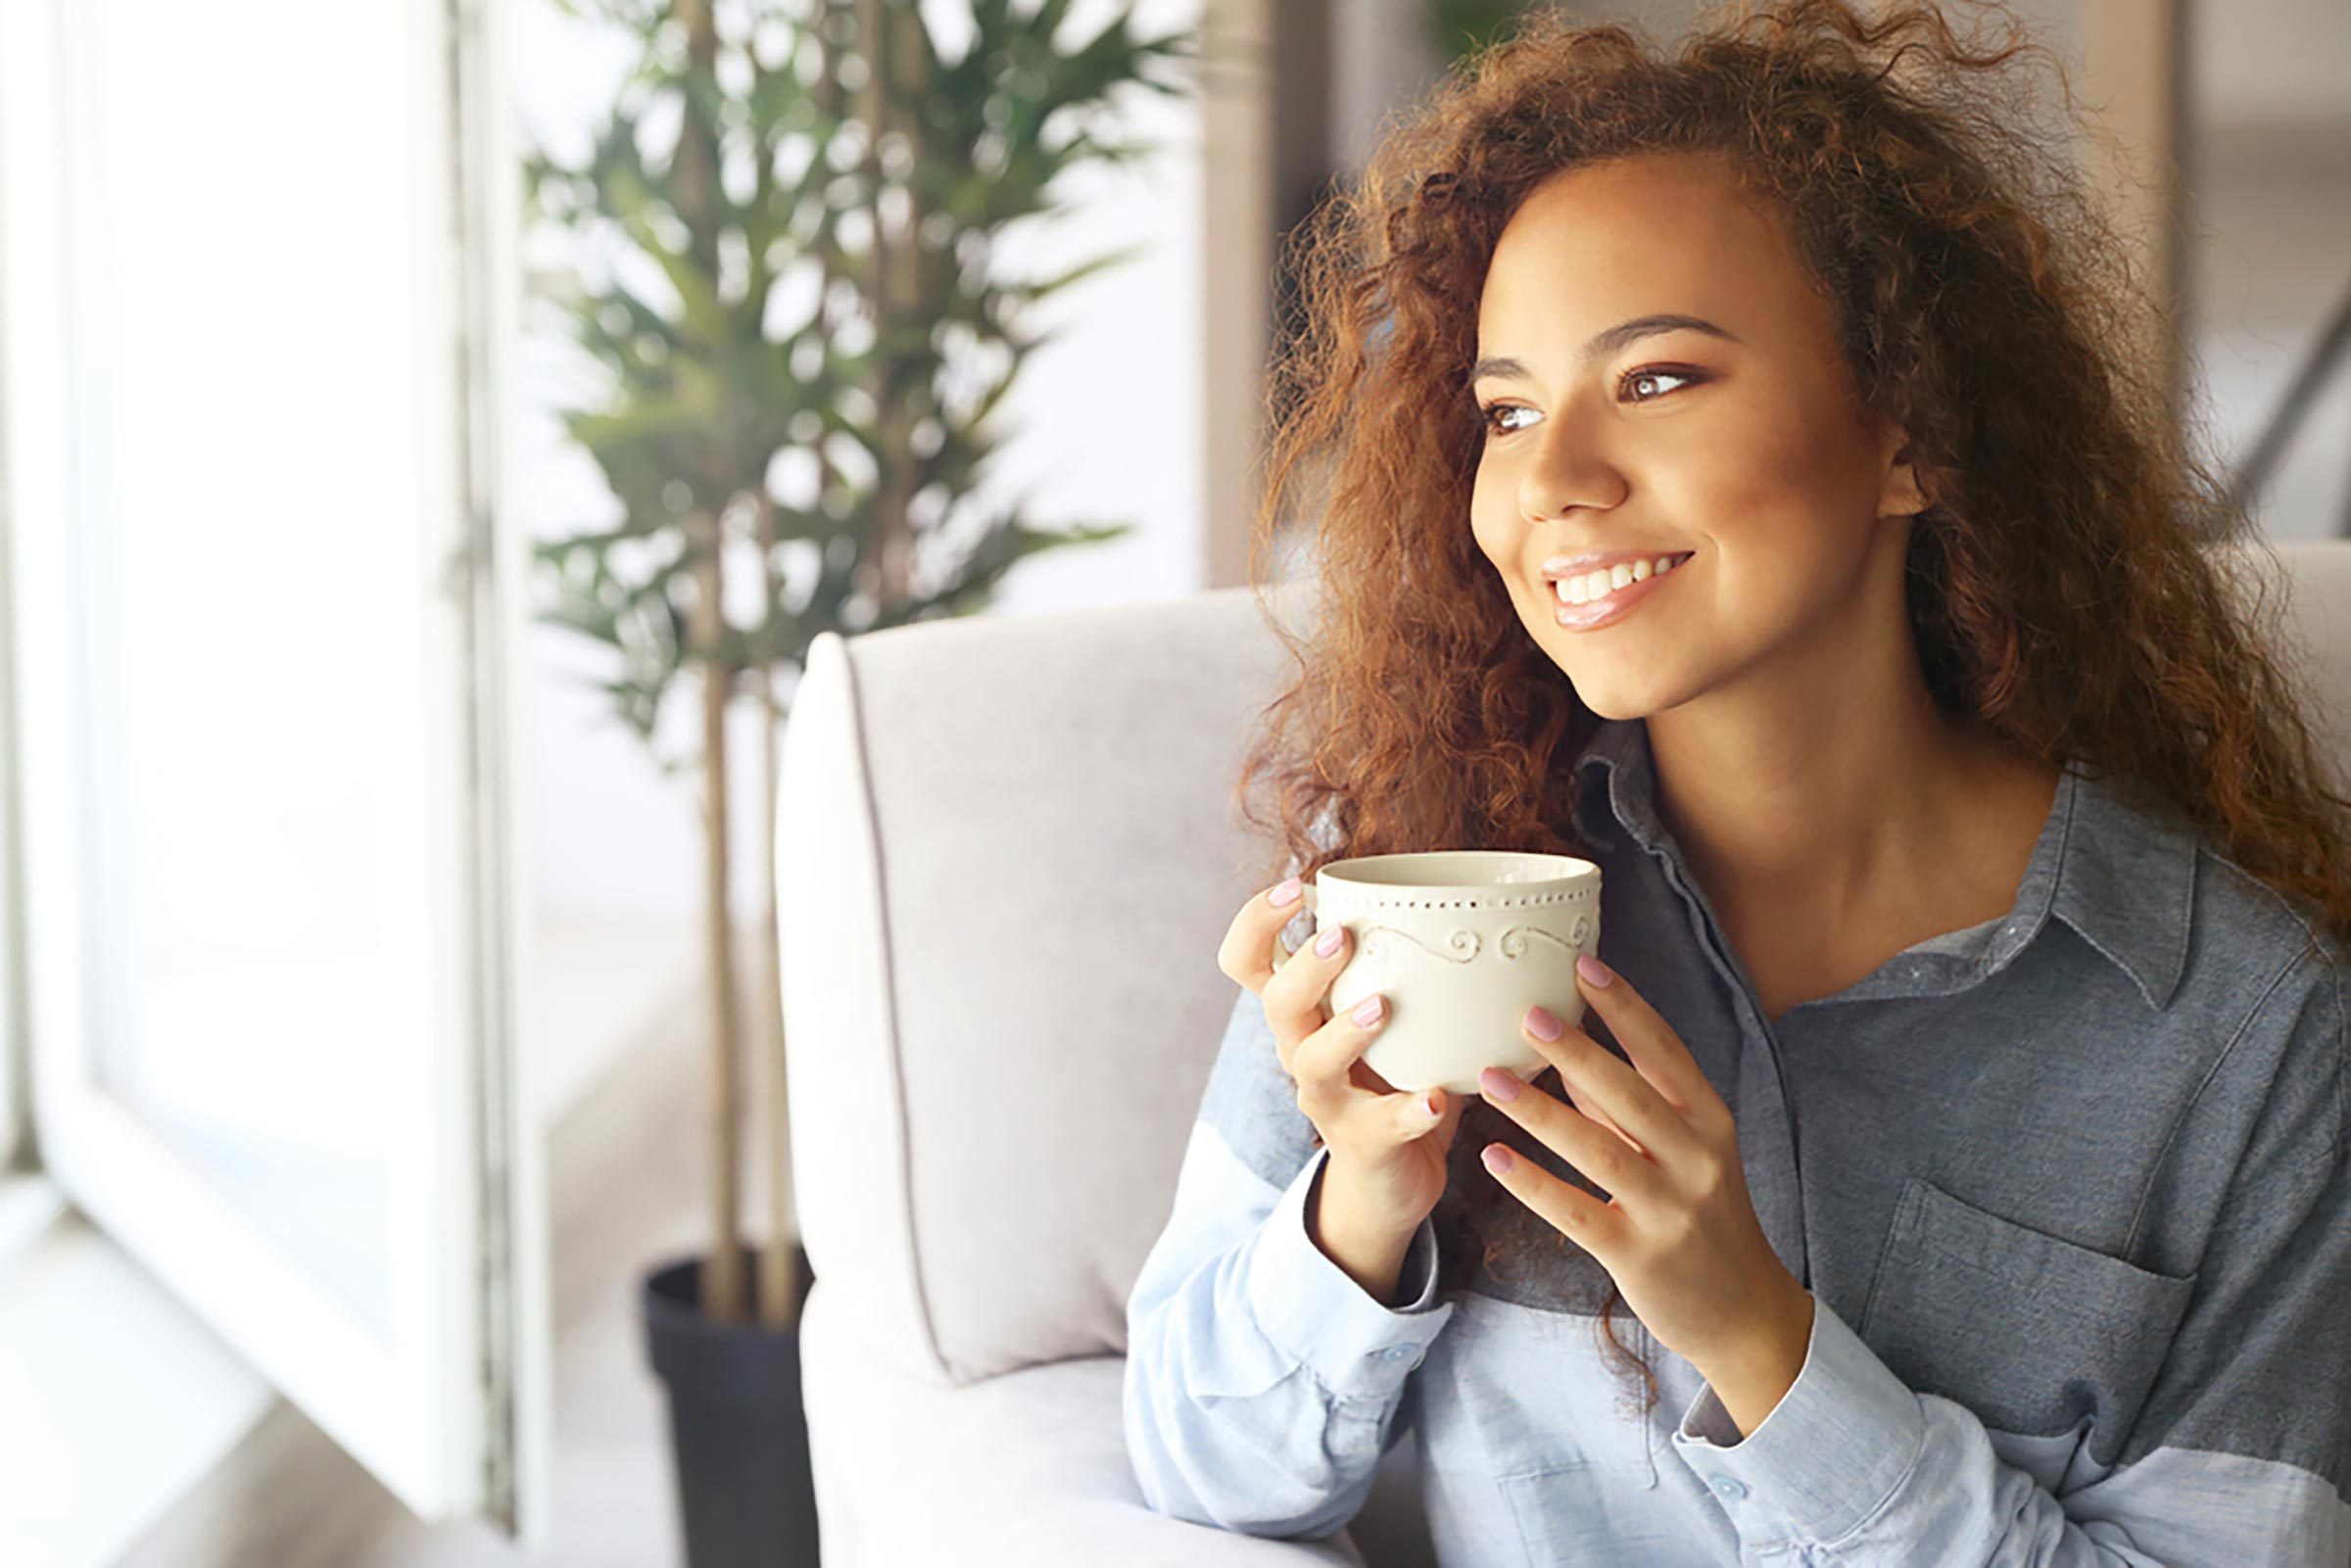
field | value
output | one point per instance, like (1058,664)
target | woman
(1959,1118)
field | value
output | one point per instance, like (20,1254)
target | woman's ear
(1900,493)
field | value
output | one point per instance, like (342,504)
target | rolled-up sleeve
(1262,1383)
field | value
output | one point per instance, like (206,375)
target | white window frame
(453,1414)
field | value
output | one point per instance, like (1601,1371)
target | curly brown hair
(2060,583)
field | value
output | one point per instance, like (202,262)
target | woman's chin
(1612,697)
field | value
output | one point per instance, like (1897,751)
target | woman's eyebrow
(1606,341)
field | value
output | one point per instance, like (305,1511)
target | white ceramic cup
(1461,942)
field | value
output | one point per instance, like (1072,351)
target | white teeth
(1596,584)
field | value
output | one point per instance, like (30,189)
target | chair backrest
(1006,852)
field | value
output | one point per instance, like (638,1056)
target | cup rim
(1579,869)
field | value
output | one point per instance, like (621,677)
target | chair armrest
(1026,1469)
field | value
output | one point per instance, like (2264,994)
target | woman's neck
(1831,836)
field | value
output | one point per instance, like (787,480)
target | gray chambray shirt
(2069,1188)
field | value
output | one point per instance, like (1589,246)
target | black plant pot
(739,1438)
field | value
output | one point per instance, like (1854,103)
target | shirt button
(1398,1352)
(1729,1488)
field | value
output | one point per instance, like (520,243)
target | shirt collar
(2121,877)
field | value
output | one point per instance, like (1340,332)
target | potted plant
(780,245)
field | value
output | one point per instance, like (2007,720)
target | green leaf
(1029,293)
(694,390)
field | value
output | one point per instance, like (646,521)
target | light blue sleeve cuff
(1312,1310)
(1843,1437)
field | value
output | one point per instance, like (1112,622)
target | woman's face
(1659,377)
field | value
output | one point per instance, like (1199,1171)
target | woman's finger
(1294,996)
(1246,954)
(1601,1117)
(1322,1058)
(1412,1117)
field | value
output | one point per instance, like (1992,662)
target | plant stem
(693,177)
(722,1274)
(777,1309)
(885,36)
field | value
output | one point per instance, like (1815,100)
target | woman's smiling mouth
(1601,598)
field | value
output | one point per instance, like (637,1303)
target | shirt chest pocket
(2029,1332)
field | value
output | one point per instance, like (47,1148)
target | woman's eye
(1638,377)
(1493,412)
(1648,380)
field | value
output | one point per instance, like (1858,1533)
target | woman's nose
(1569,469)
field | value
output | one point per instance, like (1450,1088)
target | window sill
(28,1205)
(126,1402)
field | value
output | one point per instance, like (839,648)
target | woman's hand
(1387,1146)
(1679,1234)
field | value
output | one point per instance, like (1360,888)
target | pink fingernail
(1284,893)
(1541,1024)
(1498,1158)
(1593,969)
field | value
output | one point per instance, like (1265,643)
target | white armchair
(1006,858)
(1006,855)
